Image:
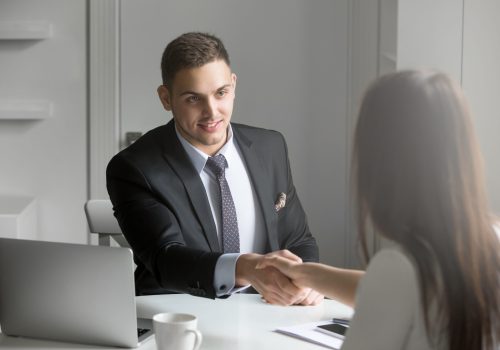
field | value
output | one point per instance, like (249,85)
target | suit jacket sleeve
(153,232)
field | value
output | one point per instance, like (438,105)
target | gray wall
(480,80)
(457,37)
(460,38)
(47,158)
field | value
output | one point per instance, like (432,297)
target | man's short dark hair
(190,50)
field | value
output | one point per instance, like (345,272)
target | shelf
(25,30)
(25,109)
(17,217)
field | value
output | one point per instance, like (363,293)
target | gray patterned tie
(230,234)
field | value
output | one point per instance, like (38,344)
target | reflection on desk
(241,322)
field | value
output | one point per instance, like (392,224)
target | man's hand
(312,298)
(273,286)
(291,269)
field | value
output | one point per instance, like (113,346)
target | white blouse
(388,313)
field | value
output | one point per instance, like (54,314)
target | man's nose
(210,108)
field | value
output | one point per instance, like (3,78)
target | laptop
(69,292)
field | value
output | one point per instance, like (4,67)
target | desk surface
(241,322)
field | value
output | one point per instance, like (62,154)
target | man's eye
(221,93)
(193,99)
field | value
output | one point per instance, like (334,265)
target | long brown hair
(419,182)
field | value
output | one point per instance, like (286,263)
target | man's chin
(213,139)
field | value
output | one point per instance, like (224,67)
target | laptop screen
(67,292)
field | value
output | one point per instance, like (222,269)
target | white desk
(241,322)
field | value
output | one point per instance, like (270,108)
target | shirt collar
(199,158)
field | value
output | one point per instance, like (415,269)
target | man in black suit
(201,200)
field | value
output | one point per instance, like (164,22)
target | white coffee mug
(176,331)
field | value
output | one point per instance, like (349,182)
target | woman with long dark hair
(418,182)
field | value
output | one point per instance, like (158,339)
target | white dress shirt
(250,219)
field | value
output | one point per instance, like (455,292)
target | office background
(76,76)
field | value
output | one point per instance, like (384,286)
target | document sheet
(309,333)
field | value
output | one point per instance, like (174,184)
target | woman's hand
(288,265)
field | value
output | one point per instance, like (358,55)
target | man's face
(201,100)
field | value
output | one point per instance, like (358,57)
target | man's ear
(164,96)
(233,78)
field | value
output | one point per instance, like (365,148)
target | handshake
(272,276)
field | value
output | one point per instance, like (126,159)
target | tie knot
(217,164)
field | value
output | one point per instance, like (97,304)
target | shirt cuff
(225,275)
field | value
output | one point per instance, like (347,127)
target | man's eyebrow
(224,86)
(190,92)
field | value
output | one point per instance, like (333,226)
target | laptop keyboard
(141,331)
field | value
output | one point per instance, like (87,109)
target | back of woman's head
(419,182)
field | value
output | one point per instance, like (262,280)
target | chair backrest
(101,221)
(100,216)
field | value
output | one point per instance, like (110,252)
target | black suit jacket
(164,213)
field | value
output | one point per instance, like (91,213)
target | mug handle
(198,338)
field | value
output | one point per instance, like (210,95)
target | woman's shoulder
(387,303)
(392,260)
(390,272)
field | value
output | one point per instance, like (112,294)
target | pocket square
(281,202)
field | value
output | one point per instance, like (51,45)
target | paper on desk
(308,333)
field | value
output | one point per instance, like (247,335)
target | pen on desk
(341,321)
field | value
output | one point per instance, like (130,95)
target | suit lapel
(260,177)
(176,156)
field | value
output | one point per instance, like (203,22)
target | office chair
(102,222)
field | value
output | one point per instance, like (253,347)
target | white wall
(291,58)
(457,37)
(460,38)
(430,35)
(481,77)
(323,176)
(46,159)
(373,52)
